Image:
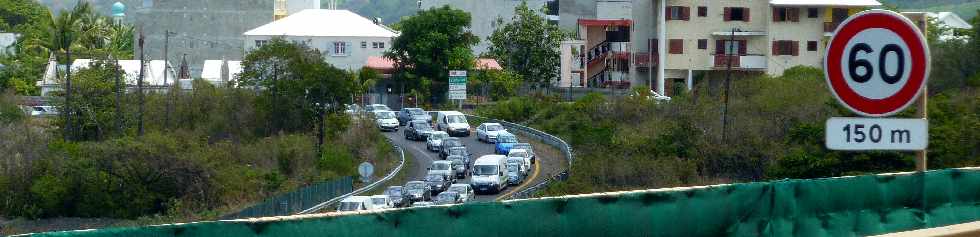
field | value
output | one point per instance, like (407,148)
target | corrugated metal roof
(323,22)
(843,3)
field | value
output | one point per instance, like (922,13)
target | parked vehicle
(465,192)
(488,174)
(386,120)
(352,109)
(487,132)
(397,196)
(515,170)
(381,202)
(417,191)
(444,168)
(447,145)
(505,142)
(355,203)
(653,95)
(437,183)
(527,147)
(452,122)
(523,155)
(447,197)
(417,130)
(459,167)
(422,204)
(376,107)
(434,141)
(41,111)
(411,114)
(462,152)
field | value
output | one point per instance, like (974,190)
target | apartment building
(705,36)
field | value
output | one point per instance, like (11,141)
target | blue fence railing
(299,200)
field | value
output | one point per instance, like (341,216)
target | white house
(153,79)
(220,72)
(344,38)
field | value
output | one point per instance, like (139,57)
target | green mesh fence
(849,206)
(299,200)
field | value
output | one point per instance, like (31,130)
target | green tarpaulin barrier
(847,206)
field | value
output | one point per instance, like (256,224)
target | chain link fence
(299,200)
(545,138)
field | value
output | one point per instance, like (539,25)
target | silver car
(434,141)
(448,197)
(417,191)
(465,191)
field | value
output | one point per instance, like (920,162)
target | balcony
(643,60)
(753,62)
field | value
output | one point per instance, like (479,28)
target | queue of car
(509,165)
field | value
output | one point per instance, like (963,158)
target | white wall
(355,59)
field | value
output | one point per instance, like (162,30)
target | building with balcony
(671,41)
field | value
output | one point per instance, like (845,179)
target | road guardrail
(401,163)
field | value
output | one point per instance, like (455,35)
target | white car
(356,203)
(488,132)
(376,107)
(465,192)
(43,110)
(523,154)
(434,141)
(386,120)
(381,202)
(444,168)
(453,122)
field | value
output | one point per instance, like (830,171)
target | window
(678,13)
(676,46)
(811,46)
(374,45)
(363,44)
(260,43)
(736,14)
(340,48)
(812,12)
(785,47)
(381,45)
(703,44)
(781,14)
(730,47)
(702,11)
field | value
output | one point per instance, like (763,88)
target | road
(547,163)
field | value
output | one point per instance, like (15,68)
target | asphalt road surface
(547,163)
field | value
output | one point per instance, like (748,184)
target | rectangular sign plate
(856,134)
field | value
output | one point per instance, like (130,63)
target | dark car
(397,196)
(528,148)
(459,166)
(436,183)
(447,144)
(418,130)
(411,114)
(505,142)
(462,152)
(417,191)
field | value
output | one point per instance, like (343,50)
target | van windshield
(440,166)
(485,170)
(456,119)
(378,201)
(350,206)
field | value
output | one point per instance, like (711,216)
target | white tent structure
(949,22)
(220,72)
(153,79)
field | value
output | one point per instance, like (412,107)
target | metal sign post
(876,65)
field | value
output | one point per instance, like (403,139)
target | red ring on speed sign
(919,63)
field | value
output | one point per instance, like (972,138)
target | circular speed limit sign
(877,63)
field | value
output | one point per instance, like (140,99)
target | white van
(489,174)
(452,122)
(356,203)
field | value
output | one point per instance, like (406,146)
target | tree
(431,43)
(292,79)
(529,46)
(95,111)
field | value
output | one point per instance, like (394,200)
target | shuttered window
(737,14)
(676,46)
(703,44)
(678,13)
(702,11)
(785,47)
(731,47)
(781,14)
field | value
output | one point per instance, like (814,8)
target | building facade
(703,36)
(485,15)
(345,39)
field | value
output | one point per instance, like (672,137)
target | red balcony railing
(721,60)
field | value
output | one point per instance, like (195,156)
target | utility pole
(166,67)
(139,85)
(118,90)
(728,84)
(68,119)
